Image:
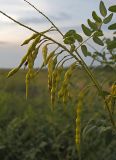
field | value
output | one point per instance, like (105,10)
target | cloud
(3,42)
(11,2)
(35,20)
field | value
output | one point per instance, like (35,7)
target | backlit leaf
(98,41)
(92,25)
(71,32)
(112,45)
(112,27)
(112,8)
(96,17)
(78,37)
(102,9)
(69,40)
(108,19)
(84,50)
(98,33)
(86,30)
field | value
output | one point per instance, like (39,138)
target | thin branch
(66,60)
(92,63)
(83,42)
(62,60)
(44,16)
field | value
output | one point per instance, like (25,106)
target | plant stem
(83,42)
(89,73)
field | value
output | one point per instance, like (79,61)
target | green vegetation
(29,130)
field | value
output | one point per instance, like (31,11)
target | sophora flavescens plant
(73,48)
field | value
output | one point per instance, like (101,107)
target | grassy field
(29,130)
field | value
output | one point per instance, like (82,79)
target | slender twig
(91,64)
(83,42)
(66,60)
(62,60)
(44,16)
(89,72)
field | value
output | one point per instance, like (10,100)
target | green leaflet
(72,48)
(71,32)
(69,40)
(112,8)
(102,9)
(112,27)
(96,17)
(92,25)
(71,36)
(108,19)
(86,30)
(98,33)
(112,45)
(84,50)
(98,41)
(78,37)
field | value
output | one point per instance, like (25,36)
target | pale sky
(67,14)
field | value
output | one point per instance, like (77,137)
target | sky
(66,14)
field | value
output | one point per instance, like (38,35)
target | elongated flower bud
(44,52)
(78,121)
(29,39)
